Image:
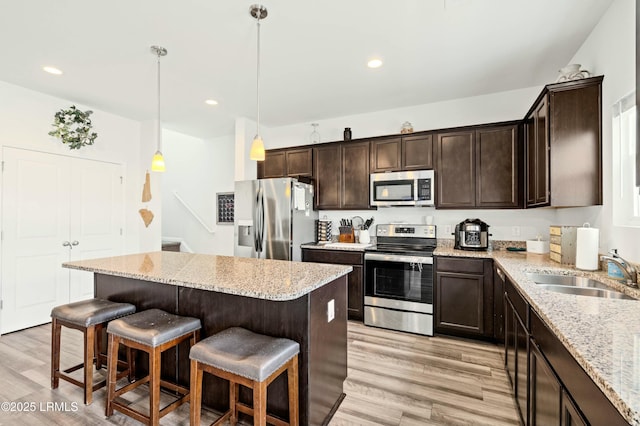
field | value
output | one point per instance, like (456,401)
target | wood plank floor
(393,379)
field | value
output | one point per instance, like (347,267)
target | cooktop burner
(405,239)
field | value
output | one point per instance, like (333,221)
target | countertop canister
(587,241)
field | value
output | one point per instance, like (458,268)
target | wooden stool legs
(91,348)
(153,378)
(259,409)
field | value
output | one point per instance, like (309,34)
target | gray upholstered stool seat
(88,316)
(152,331)
(244,353)
(153,327)
(249,359)
(92,311)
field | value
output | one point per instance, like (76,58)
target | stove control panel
(406,231)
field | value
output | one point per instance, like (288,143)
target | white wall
(610,51)
(25,120)
(196,169)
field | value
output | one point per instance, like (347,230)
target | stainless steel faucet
(627,268)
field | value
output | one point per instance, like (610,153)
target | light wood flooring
(393,379)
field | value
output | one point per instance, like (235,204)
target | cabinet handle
(500,274)
(75,243)
(66,244)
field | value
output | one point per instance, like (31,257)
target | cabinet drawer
(340,257)
(519,304)
(460,264)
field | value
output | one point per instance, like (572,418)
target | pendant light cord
(158,124)
(258,76)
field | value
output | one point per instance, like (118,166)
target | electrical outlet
(447,230)
(331,310)
(515,231)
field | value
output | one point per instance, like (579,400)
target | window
(626,196)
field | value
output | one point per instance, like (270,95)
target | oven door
(399,277)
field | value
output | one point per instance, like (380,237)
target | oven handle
(398,258)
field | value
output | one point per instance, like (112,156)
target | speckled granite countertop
(336,246)
(257,278)
(603,335)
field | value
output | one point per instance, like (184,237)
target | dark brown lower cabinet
(544,390)
(549,386)
(517,355)
(355,279)
(464,296)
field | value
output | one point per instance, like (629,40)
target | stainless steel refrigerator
(272,218)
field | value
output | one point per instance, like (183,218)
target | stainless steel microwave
(413,188)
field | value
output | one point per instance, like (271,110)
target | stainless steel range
(399,278)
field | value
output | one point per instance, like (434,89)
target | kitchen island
(272,297)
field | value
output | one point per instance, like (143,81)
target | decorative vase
(315,135)
(406,128)
(347,134)
(572,72)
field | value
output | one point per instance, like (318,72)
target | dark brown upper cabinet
(537,141)
(286,163)
(569,172)
(479,167)
(341,172)
(398,153)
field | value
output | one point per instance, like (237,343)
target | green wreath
(73,127)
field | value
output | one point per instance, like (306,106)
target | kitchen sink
(571,284)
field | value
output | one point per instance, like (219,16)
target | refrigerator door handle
(258,220)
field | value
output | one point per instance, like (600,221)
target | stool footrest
(244,408)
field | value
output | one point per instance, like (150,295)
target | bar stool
(249,359)
(152,331)
(88,316)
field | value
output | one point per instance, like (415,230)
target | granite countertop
(257,278)
(602,334)
(336,246)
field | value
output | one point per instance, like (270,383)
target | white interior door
(96,209)
(35,223)
(54,209)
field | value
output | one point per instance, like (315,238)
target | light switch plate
(331,310)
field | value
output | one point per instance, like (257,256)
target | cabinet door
(417,152)
(498,305)
(459,303)
(510,341)
(576,148)
(544,391)
(274,165)
(497,158)
(299,162)
(537,134)
(327,167)
(355,175)
(570,414)
(355,292)
(455,170)
(522,366)
(386,155)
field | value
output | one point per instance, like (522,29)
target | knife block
(346,235)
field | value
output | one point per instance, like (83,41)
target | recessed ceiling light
(211,102)
(374,63)
(52,70)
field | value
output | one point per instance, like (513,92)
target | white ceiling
(314,54)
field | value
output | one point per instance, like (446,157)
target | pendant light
(157,164)
(257,147)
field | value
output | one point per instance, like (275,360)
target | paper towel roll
(587,241)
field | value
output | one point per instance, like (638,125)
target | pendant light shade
(259,12)
(157,164)
(257,149)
